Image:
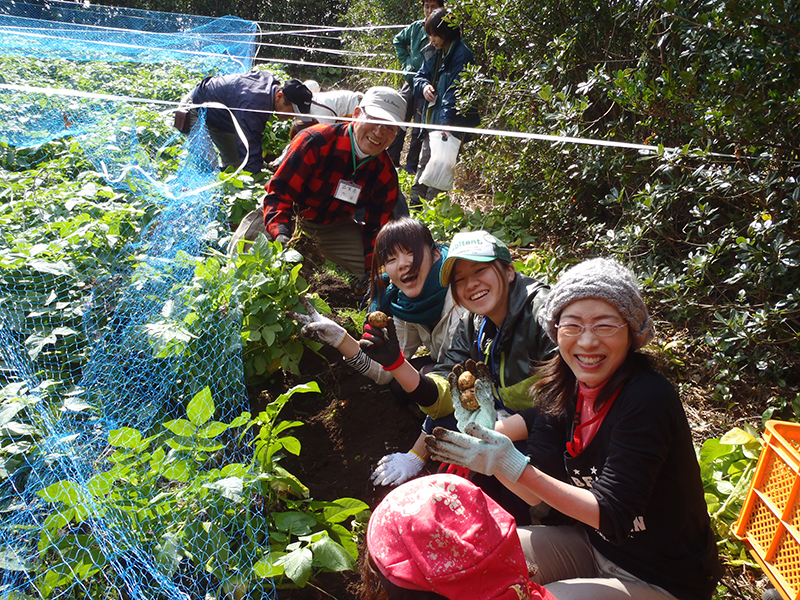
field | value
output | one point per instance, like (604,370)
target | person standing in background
(408,46)
(436,83)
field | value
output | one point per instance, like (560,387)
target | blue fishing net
(120,368)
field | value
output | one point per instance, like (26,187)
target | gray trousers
(565,562)
(227,144)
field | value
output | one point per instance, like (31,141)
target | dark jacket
(510,354)
(408,46)
(641,467)
(254,91)
(442,71)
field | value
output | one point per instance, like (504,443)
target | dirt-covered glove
(471,392)
(382,345)
(397,468)
(316,327)
(362,285)
(479,449)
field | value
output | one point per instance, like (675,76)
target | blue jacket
(442,72)
(254,90)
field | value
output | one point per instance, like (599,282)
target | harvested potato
(469,400)
(378,319)
(466,381)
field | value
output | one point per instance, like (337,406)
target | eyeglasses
(599,329)
(381,126)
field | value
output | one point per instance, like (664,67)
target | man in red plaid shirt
(330,171)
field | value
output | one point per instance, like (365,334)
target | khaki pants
(248,230)
(339,242)
(563,560)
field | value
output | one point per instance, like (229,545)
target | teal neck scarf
(425,309)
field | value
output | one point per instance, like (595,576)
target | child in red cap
(443,537)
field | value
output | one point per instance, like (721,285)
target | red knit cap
(441,533)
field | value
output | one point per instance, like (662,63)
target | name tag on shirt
(347,191)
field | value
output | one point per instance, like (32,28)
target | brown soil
(348,427)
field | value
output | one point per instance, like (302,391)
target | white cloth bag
(441,168)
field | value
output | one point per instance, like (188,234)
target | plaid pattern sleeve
(318,159)
(380,197)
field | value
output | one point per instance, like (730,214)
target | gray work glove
(316,327)
(485,414)
(283,239)
(479,449)
(369,368)
(397,468)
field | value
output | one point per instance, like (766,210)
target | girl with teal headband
(406,285)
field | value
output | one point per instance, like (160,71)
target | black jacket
(641,467)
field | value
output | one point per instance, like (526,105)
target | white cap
(384,103)
(313,86)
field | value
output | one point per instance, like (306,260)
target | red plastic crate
(769,523)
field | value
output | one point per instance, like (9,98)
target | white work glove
(479,449)
(369,368)
(397,468)
(316,327)
(485,414)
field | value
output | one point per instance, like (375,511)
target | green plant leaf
(181,427)
(297,565)
(344,508)
(331,555)
(125,437)
(267,567)
(101,484)
(167,553)
(63,491)
(212,429)
(298,523)
(230,488)
(739,437)
(201,407)
(178,470)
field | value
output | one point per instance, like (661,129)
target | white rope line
(325,50)
(524,135)
(334,29)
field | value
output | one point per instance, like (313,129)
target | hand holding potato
(471,392)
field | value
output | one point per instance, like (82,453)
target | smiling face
(398,266)
(482,287)
(591,358)
(372,138)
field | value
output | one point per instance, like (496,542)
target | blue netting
(104,332)
(75,32)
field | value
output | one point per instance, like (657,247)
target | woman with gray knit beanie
(610,448)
